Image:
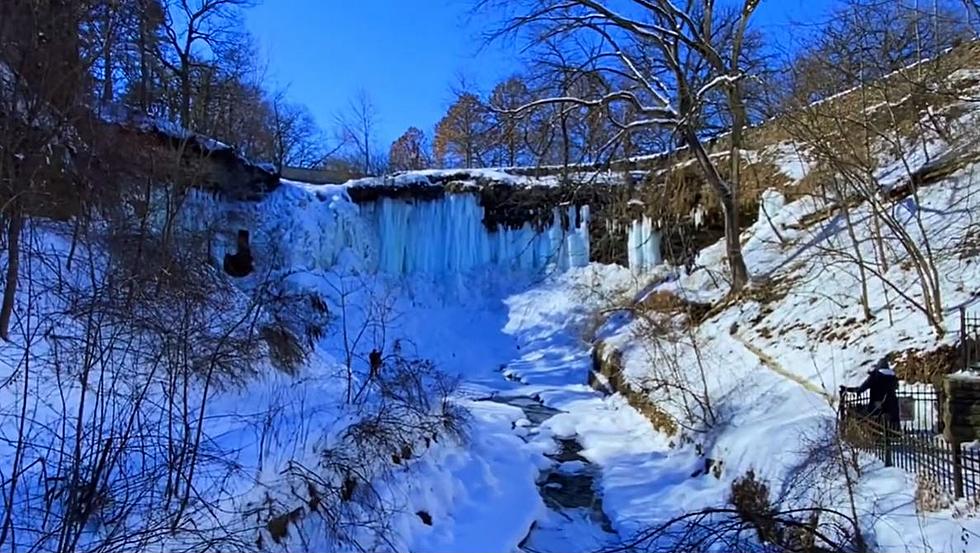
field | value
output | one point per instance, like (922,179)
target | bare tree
(43,69)
(357,128)
(410,151)
(851,137)
(462,135)
(298,141)
(865,40)
(510,129)
(671,63)
(195,30)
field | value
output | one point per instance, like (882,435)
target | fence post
(841,411)
(963,345)
(957,469)
(887,431)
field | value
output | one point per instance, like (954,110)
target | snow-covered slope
(758,378)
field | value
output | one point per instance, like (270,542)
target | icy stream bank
(568,487)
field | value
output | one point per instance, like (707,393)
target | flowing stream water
(568,486)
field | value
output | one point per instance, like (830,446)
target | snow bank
(436,177)
(515,176)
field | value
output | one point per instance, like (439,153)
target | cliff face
(188,159)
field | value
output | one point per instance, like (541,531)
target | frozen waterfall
(643,246)
(405,236)
(447,236)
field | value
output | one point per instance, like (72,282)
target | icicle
(770,203)
(643,246)
(697,216)
(444,237)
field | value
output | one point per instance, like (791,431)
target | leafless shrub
(930,496)
(668,337)
(299,320)
(124,333)
(893,114)
(752,521)
(407,410)
(728,529)
(750,497)
(285,349)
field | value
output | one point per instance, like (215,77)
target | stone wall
(961,410)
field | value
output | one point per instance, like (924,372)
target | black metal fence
(916,444)
(969,339)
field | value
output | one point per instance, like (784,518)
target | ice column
(447,236)
(643,246)
(578,237)
(770,203)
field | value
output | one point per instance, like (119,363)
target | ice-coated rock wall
(314,228)
(305,227)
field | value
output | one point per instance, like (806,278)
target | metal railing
(916,444)
(969,339)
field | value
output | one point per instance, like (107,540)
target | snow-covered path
(770,363)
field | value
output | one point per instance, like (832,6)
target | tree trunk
(566,146)
(856,246)
(107,84)
(144,63)
(13,268)
(185,98)
(733,246)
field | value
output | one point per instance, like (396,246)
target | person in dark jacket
(883,385)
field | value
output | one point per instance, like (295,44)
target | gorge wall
(426,223)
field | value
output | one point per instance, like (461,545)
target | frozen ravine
(484,305)
(598,471)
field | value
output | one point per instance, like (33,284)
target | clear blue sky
(406,53)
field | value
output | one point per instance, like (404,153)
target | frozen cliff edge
(436,223)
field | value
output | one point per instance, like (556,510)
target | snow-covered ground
(543,461)
(526,342)
(770,363)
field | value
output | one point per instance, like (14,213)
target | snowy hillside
(756,376)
